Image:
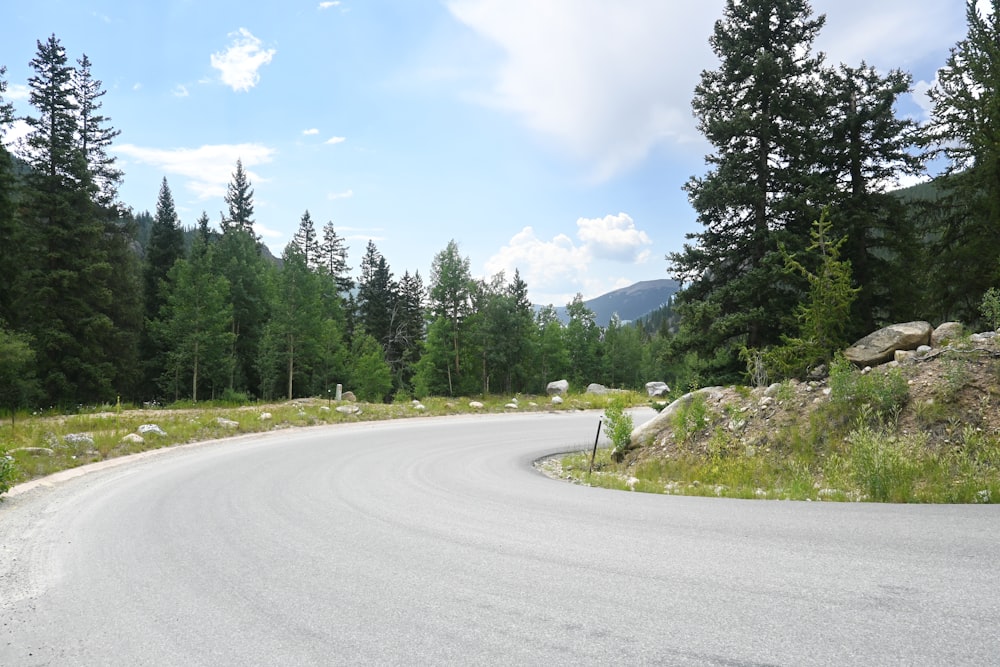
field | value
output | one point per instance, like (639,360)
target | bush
(990,307)
(881,465)
(8,472)
(879,395)
(618,427)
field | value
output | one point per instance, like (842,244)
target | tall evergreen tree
(583,343)
(866,150)
(94,135)
(759,110)
(70,281)
(165,247)
(239,198)
(333,258)
(450,298)
(551,355)
(376,296)
(965,128)
(307,241)
(408,328)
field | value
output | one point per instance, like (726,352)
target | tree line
(804,245)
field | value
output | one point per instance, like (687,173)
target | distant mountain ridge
(630,302)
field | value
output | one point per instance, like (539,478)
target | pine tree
(69,281)
(239,198)
(551,356)
(165,247)
(965,128)
(582,343)
(333,258)
(758,110)
(376,296)
(408,328)
(95,136)
(305,238)
(866,150)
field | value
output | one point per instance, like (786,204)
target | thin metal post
(593,454)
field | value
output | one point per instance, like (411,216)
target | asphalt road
(434,541)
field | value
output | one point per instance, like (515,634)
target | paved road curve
(433,541)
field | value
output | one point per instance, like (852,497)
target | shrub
(881,465)
(690,417)
(990,307)
(8,471)
(618,426)
(879,395)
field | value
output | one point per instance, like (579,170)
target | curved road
(433,541)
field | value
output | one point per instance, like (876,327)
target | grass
(41,444)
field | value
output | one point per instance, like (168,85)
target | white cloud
(311,131)
(180,91)
(208,169)
(16,132)
(17,91)
(333,141)
(239,63)
(614,237)
(558,268)
(609,82)
(328,5)
(346,194)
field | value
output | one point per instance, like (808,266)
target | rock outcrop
(881,346)
(657,389)
(644,433)
(557,388)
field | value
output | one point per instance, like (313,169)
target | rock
(597,389)
(984,337)
(227,423)
(945,332)
(264,416)
(324,408)
(133,439)
(348,409)
(645,433)
(557,400)
(902,356)
(476,405)
(419,407)
(557,388)
(657,389)
(880,347)
(773,390)
(79,439)
(349,397)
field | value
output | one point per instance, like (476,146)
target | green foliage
(990,307)
(8,472)
(618,426)
(882,464)
(371,378)
(824,316)
(690,417)
(877,395)
(18,386)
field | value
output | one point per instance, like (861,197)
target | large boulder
(557,388)
(880,347)
(349,397)
(597,389)
(646,433)
(657,389)
(945,332)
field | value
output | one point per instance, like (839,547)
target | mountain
(630,302)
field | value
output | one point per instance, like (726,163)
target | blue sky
(548,135)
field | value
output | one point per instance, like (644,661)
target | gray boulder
(881,346)
(151,429)
(597,389)
(945,332)
(349,397)
(348,409)
(657,389)
(557,388)
(646,433)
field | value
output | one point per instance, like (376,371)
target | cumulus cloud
(17,91)
(180,91)
(310,131)
(239,64)
(208,169)
(614,237)
(561,266)
(330,4)
(333,141)
(609,82)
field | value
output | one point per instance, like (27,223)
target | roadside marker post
(596,438)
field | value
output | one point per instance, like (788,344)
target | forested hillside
(804,246)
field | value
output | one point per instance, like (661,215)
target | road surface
(434,541)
